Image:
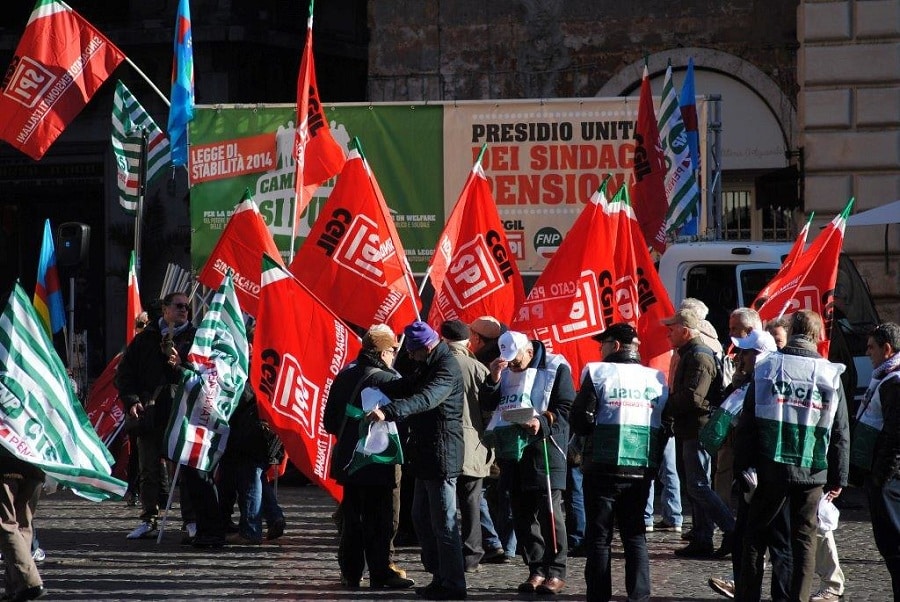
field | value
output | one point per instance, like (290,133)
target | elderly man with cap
(531,392)
(619,410)
(367,507)
(430,400)
(477,456)
(696,376)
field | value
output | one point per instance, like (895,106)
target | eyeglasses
(516,364)
(390,350)
(183,306)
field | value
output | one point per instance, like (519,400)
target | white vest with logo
(870,422)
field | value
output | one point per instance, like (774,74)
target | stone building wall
(849,111)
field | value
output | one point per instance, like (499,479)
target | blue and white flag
(682,191)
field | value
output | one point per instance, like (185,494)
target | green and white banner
(544,160)
(41,420)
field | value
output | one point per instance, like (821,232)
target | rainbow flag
(48,301)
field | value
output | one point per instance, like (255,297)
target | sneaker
(825,595)
(696,549)
(190,532)
(664,526)
(144,530)
(648,528)
(38,555)
(722,587)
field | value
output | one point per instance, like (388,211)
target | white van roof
(725,252)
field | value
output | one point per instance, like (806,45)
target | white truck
(729,274)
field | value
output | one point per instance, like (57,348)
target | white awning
(886,214)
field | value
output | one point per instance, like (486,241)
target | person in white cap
(530,392)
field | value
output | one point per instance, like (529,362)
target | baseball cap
(757,340)
(621,332)
(686,317)
(511,343)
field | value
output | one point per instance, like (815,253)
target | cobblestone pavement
(88,558)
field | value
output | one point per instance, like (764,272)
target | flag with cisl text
(472,270)
(682,191)
(298,349)
(808,281)
(353,260)
(60,62)
(240,249)
(41,420)
(318,156)
(601,274)
(211,385)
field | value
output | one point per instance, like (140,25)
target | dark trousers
(765,508)
(154,476)
(366,531)
(608,499)
(884,509)
(780,553)
(532,520)
(204,501)
(468,496)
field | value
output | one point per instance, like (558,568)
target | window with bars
(741,220)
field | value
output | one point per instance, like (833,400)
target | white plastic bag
(828,515)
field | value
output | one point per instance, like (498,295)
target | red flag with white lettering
(353,260)
(60,62)
(601,274)
(240,248)
(317,154)
(649,188)
(793,254)
(106,413)
(298,348)
(472,270)
(808,282)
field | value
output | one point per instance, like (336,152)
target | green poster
(235,148)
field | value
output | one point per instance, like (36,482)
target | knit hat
(487,327)
(379,339)
(455,330)
(511,343)
(419,335)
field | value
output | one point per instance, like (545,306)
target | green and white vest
(530,388)
(870,421)
(627,424)
(796,401)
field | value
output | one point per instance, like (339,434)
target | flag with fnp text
(212,384)
(41,420)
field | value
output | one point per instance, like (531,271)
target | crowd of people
(508,454)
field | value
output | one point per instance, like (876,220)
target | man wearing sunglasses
(146,378)
(530,392)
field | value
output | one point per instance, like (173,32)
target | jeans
(468,497)
(611,499)
(249,490)
(489,538)
(707,507)
(503,517)
(437,526)
(762,520)
(575,520)
(671,489)
(271,511)
(884,508)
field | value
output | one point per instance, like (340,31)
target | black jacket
(367,371)
(554,423)
(144,369)
(249,436)
(747,451)
(886,461)
(581,418)
(430,402)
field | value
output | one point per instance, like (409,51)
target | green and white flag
(682,191)
(129,121)
(41,420)
(379,442)
(213,382)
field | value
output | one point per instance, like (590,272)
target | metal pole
(714,191)
(138,216)
(71,342)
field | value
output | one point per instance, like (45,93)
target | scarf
(891,364)
(164,328)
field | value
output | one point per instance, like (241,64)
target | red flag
(240,248)
(299,347)
(472,270)
(134,301)
(104,409)
(808,283)
(601,274)
(649,187)
(60,62)
(793,254)
(318,156)
(353,260)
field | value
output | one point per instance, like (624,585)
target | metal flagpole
(149,81)
(138,216)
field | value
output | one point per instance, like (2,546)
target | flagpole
(300,152)
(172,486)
(148,80)
(138,215)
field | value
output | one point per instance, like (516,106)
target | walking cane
(550,497)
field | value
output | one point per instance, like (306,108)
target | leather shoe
(532,584)
(695,549)
(727,545)
(553,585)
(393,581)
